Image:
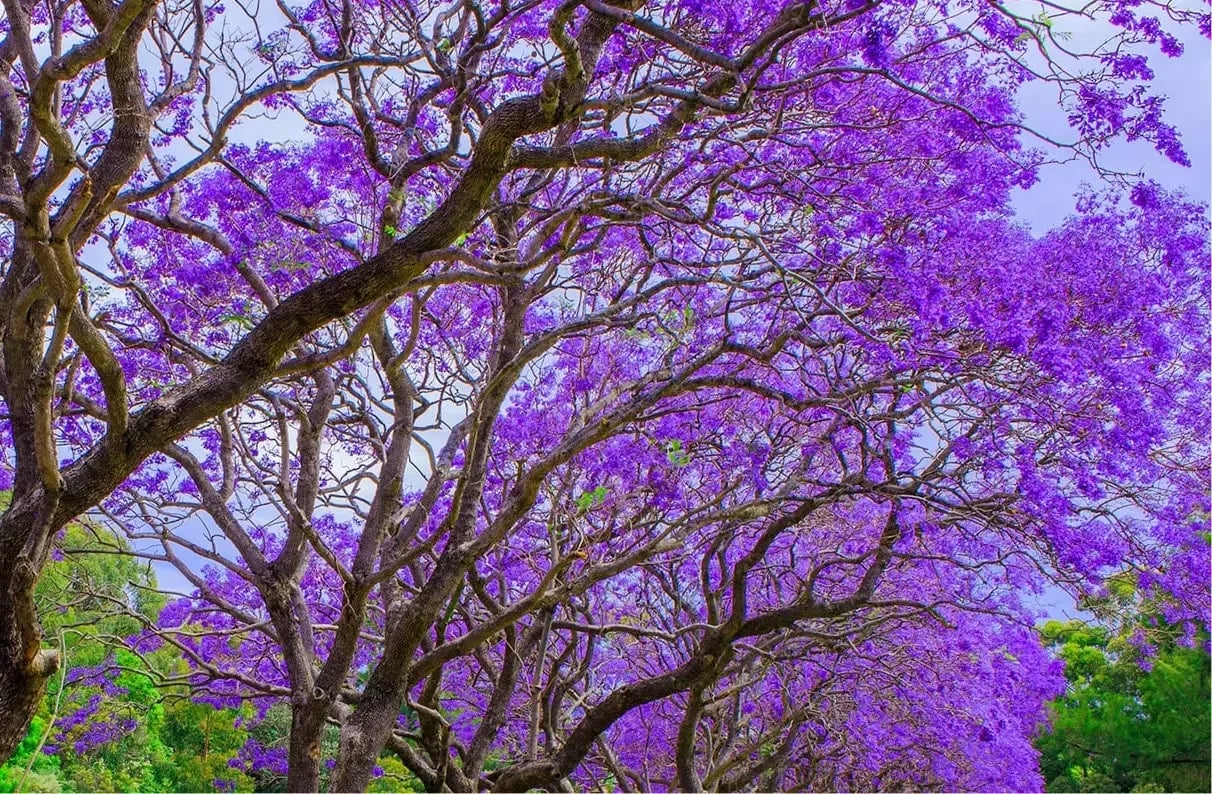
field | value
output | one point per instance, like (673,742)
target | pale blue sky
(1186,82)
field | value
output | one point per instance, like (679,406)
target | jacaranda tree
(597,392)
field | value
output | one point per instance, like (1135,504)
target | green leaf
(676,454)
(590,499)
(237,319)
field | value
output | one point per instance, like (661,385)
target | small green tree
(1134,718)
(109,722)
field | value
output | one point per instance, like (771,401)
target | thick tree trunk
(365,732)
(303,755)
(21,691)
(24,665)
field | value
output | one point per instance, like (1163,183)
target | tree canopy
(594,393)
(1137,712)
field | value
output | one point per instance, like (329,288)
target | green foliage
(591,499)
(197,742)
(41,775)
(1129,721)
(676,454)
(240,320)
(89,598)
(395,778)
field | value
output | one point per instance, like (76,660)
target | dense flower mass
(594,393)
